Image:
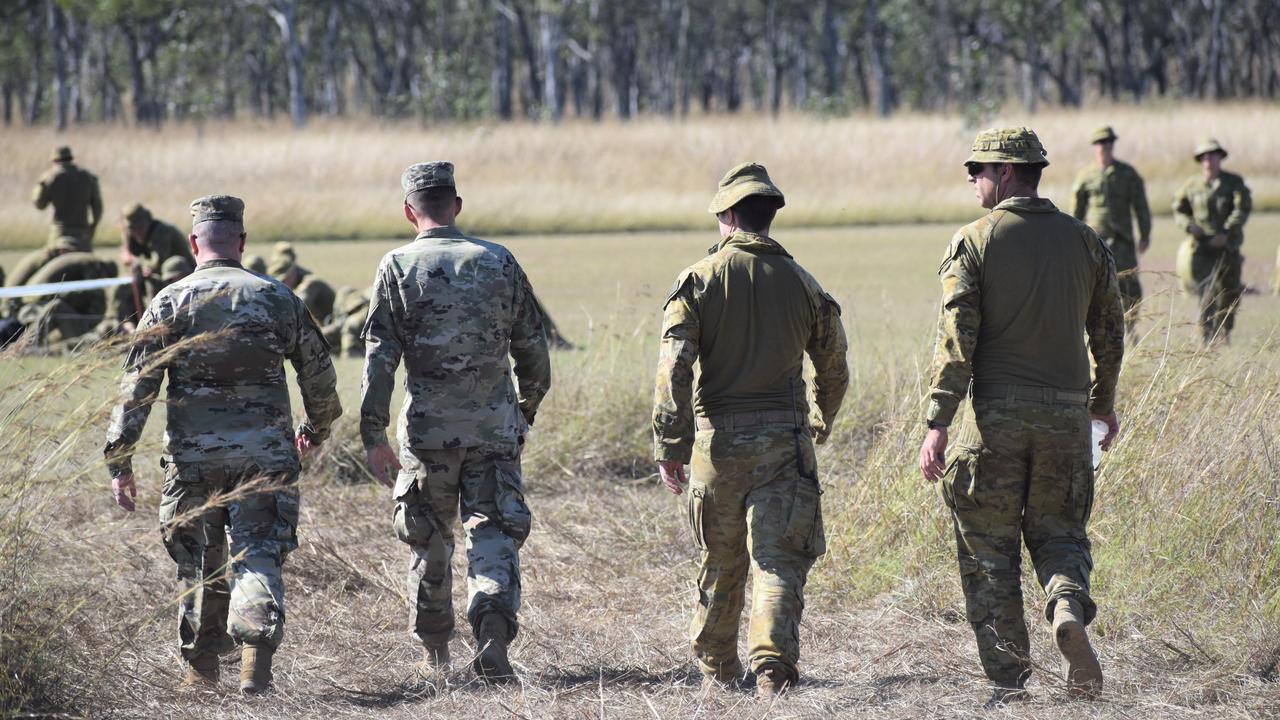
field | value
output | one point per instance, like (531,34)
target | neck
(425,224)
(1212,174)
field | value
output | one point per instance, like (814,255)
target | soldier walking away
(231,458)
(77,202)
(1021,288)
(457,310)
(746,315)
(1212,209)
(1110,196)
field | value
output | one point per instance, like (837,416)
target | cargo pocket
(1082,487)
(514,515)
(697,501)
(409,519)
(804,523)
(959,482)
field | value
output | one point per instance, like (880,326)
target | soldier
(231,458)
(747,314)
(342,332)
(1212,209)
(454,308)
(31,266)
(1109,196)
(1021,287)
(317,294)
(255,263)
(147,244)
(77,203)
(61,318)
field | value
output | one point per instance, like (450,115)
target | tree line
(146,62)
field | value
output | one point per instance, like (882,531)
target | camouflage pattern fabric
(261,521)
(161,242)
(484,483)
(1110,199)
(1019,145)
(753,505)
(1020,471)
(76,200)
(422,176)
(1001,332)
(317,295)
(453,308)
(1221,205)
(222,334)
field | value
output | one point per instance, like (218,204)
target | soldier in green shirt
(1110,196)
(316,294)
(73,193)
(1021,288)
(747,314)
(1212,209)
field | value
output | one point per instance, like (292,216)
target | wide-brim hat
(743,181)
(61,153)
(136,215)
(1103,134)
(1207,146)
(1018,145)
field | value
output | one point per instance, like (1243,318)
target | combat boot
(1005,696)
(772,679)
(492,664)
(1079,662)
(255,669)
(435,658)
(202,673)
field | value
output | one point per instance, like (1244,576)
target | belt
(1004,391)
(747,419)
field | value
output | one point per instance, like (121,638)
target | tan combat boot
(435,658)
(255,669)
(772,679)
(202,673)
(492,664)
(1079,662)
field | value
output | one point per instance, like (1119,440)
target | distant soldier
(255,263)
(1212,208)
(121,318)
(342,332)
(317,294)
(147,244)
(30,266)
(458,310)
(746,315)
(1021,288)
(57,318)
(1109,196)
(221,335)
(76,200)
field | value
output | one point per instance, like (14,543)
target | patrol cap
(136,215)
(421,176)
(217,207)
(1209,145)
(1103,134)
(741,182)
(175,268)
(1018,145)
(62,153)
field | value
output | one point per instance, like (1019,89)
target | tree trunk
(332,101)
(880,71)
(58,44)
(35,91)
(503,58)
(549,30)
(830,50)
(285,15)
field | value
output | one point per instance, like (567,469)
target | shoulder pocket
(684,281)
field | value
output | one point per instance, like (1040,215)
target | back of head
(430,190)
(217,221)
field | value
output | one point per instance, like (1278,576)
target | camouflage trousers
(483,484)
(753,505)
(259,514)
(1126,256)
(1020,471)
(1217,279)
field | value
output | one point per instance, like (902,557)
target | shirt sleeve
(317,379)
(959,319)
(139,388)
(828,349)
(383,348)
(1182,213)
(529,349)
(1141,210)
(1242,205)
(1080,193)
(40,195)
(1104,325)
(95,200)
(673,387)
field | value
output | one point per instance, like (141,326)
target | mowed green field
(1186,525)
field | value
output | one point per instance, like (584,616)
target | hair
(435,202)
(219,236)
(1028,174)
(755,213)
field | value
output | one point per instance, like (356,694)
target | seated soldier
(32,263)
(342,332)
(149,242)
(54,319)
(254,263)
(316,294)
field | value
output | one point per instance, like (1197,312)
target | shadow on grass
(577,676)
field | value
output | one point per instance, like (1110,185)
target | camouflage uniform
(1021,287)
(76,200)
(228,428)
(454,308)
(747,314)
(1110,199)
(1221,205)
(68,316)
(316,294)
(342,332)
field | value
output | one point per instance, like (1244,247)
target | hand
(382,463)
(933,454)
(124,490)
(147,271)
(672,472)
(1113,428)
(1219,241)
(1143,244)
(304,444)
(1195,231)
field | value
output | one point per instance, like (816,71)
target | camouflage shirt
(455,309)
(317,295)
(1109,199)
(222,335)
(1021,287)
(747,313)
(74,194)
(1221,205)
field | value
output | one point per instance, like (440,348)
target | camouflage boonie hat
(1008,145)
(175,268)
(217,207)
(741,182)
(135,215)
(350,300)
(1103,134)
(421,176)
(1209,145)
(61,153)
(283,259)
(254,263)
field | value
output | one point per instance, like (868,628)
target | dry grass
(341,180)
(1185,526)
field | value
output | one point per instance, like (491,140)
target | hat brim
(995,156)
(730,196)
(1202,153)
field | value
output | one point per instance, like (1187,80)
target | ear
(408,215)
(195,249)
(457,206)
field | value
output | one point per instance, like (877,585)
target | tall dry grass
(341,179)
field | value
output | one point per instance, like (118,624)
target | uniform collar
(444,231)
(1026,204)
(750,242)
(217,263)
